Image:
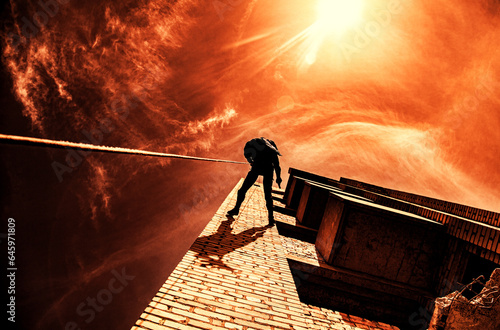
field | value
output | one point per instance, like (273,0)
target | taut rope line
(31,141)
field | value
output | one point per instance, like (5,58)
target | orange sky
(407,98)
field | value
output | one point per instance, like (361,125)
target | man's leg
(247,183)
(268,188)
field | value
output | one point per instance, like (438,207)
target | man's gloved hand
(278,181)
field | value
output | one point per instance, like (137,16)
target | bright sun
(337,16)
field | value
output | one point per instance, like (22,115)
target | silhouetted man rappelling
(262,154)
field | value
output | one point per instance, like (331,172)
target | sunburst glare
(336,16)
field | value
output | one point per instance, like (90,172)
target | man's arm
(277,168)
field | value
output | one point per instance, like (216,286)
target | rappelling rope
(31,141)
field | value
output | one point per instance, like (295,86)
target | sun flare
(336,16)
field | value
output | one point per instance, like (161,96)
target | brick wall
(236,276)
(469,212)
(479,229)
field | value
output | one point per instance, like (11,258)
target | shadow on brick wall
(211,249)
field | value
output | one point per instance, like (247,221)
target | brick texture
(236,276)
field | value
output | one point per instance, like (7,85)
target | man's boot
(234,211)
(239,200)
(271,217)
